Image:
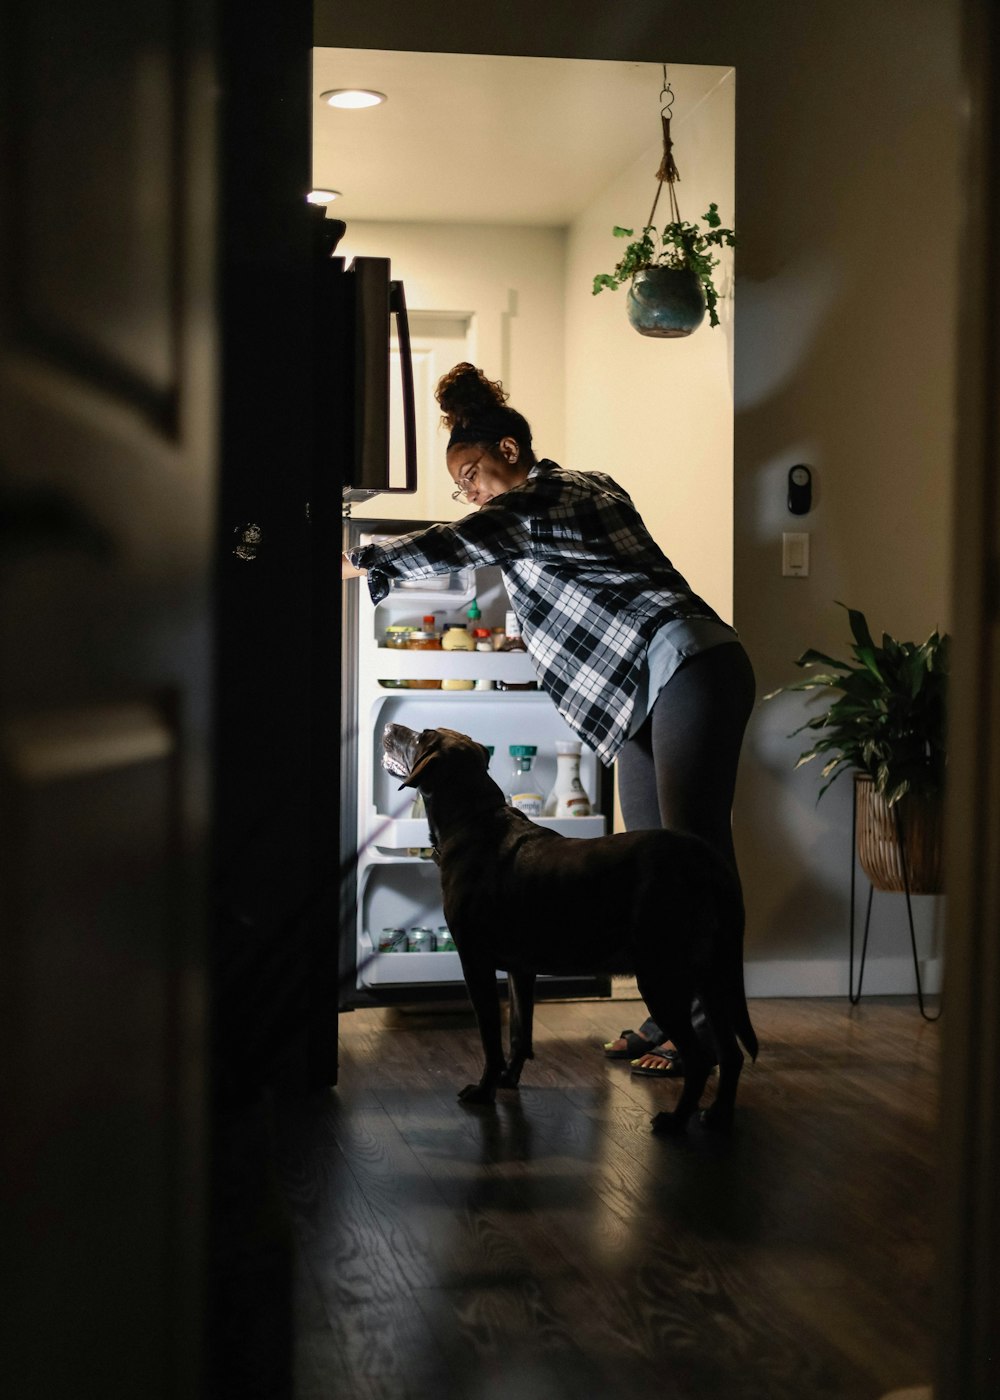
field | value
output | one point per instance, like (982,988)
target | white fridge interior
(395,884)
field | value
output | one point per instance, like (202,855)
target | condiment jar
(423,641)
(483,642)
(396,638)
(456,638)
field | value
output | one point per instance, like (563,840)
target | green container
(666,302)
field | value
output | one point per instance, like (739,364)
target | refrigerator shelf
(395,664)
(397,968)
(406,832)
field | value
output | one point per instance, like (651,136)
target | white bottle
(483,643)
(568,798)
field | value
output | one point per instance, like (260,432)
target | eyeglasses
(468,480)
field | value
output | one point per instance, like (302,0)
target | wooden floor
(553,1247)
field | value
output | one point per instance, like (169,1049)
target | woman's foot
(662,1063)
(629,1044)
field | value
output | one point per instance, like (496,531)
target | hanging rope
(668,173)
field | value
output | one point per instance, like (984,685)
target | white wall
(848,207)
(510,278)
(658,414)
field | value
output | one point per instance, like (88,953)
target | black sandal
(673,1069)
(635,1044)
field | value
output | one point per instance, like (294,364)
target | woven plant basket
(878,849)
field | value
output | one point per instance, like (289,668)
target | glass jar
(396,639)
(423,641)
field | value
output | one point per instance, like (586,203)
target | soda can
(392,940)
(420,940)
(443,941)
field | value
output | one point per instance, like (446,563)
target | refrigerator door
(357,308)
(392,887)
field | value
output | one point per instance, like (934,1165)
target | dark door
(107,458)
(161,795)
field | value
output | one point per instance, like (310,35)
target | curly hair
(475,409)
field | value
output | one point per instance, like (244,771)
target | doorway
(493,184)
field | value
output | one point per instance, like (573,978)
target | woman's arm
(347,569)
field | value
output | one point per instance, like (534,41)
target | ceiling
(474,138)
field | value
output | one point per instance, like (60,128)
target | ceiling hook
(666,110)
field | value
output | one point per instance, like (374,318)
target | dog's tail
(739,1010)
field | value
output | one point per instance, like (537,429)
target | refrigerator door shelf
(396,663)
(405,968)
(456,588)
(408,832)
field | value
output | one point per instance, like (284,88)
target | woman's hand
(347,569)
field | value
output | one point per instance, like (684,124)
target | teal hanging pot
(666,301)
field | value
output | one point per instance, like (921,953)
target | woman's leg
(695,733)
(679,770)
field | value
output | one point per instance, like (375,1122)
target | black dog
(525,900)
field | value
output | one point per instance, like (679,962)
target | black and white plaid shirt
(589,585)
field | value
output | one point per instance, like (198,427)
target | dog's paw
(717,1119)
(510,1079)
(668,1124)
(477,1093)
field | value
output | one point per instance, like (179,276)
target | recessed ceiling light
(352,97)
(322,196)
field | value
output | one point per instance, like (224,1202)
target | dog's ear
(428,748)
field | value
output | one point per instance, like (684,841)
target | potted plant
(670,272)
(887,723)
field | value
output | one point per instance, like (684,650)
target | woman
(638,665)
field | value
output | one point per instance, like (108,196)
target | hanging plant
(670,270)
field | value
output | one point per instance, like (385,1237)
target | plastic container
(568,797)
(456,637)
(523,793)
(484,642)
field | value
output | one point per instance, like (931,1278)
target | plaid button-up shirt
(589,585)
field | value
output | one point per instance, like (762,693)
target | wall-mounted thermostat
(800,490)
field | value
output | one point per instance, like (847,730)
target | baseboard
(822,977)
(828,977)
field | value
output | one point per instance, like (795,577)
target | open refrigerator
(389,880)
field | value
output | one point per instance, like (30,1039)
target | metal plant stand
(855,996)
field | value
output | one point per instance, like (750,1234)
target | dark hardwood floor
(553,1247)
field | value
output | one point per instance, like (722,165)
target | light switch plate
(795,554)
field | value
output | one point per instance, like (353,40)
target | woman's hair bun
(466,395)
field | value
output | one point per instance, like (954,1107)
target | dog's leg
(672,1013)
(521,989)
(719,1115)
(481,981)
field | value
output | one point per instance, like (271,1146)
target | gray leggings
(679,770)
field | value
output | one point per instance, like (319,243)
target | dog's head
(421,758)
